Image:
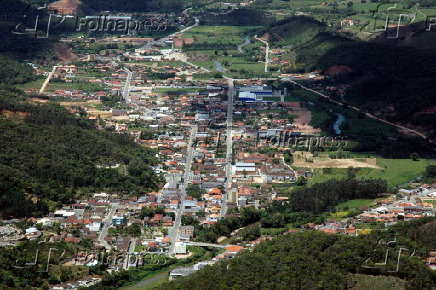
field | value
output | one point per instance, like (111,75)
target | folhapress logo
(122,24)
(390,18)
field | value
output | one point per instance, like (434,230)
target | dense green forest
(314,260)
(49,156)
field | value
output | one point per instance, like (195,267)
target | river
(337,124)
(246,41)
(218,66)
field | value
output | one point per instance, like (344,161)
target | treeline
(49,156)
(310,204)
(312,260)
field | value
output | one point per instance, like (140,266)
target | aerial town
(243,152)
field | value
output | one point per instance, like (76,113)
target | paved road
(132,246)
(106,224)
(174,232)
(230,93)
(47,80)
(126,90)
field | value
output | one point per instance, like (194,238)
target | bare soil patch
(301,160)
(302,121)
(338,69)
(64,53)
(66,6)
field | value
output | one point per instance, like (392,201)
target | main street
(174,232)
(229,143)
(130,251)
(106,224)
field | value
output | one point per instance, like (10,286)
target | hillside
(314,260)
(49,157)
(293,31)
(387,78)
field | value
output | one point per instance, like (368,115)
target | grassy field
(395,171)
(223,34)
(36,84)
(235,63)
(354,204)
(90,87)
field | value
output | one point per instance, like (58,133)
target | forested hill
(314,260)
(393,81)
(49,157)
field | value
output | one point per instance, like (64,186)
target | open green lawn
(399,171)
(395,171)
(354,204)
(224,34)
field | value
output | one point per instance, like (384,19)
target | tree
(195,191)
(430,171)
(350,172)
(350,4)
(414,156)
(340,154)
(301,180)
